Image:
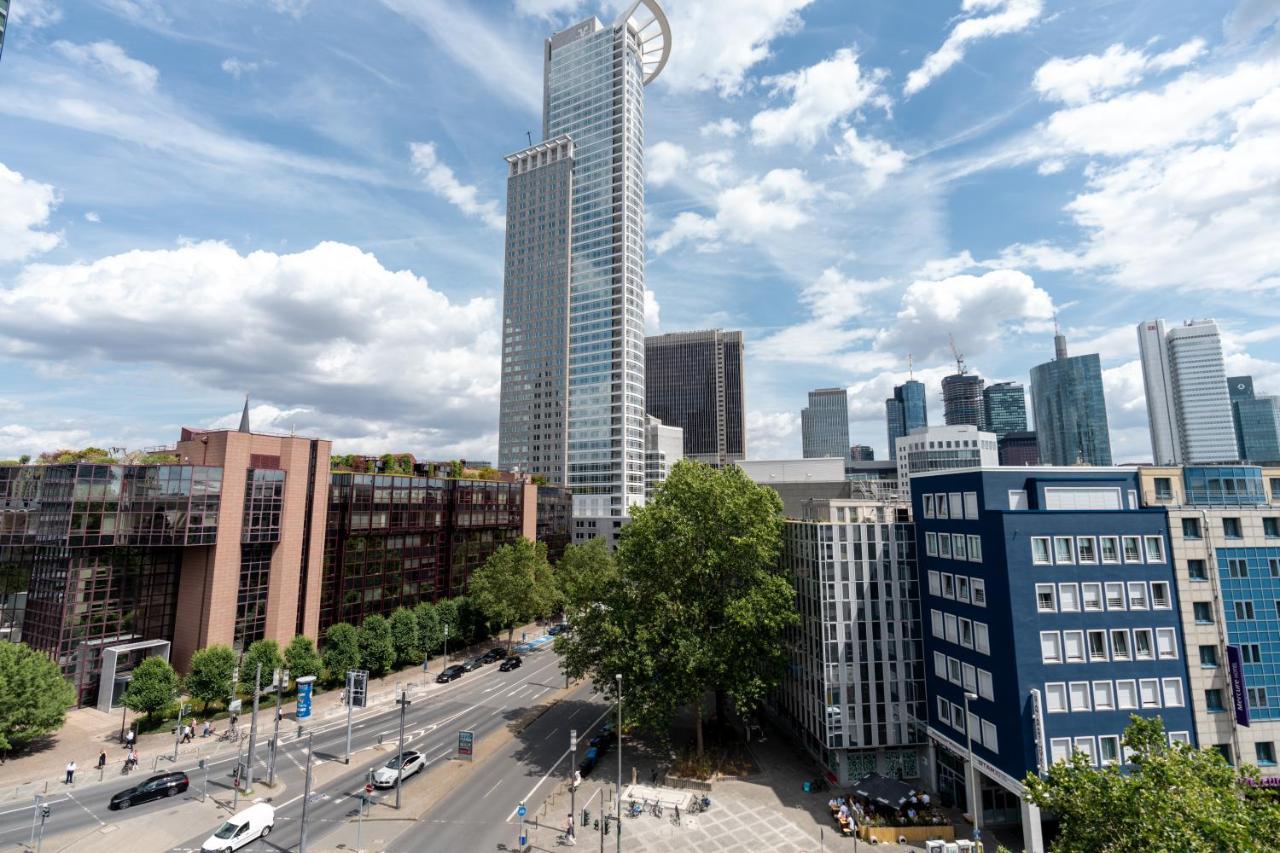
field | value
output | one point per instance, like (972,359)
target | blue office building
(904,411)
(1257,422)
(1050,616)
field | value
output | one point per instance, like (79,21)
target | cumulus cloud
(878,158)
(547,9)
(725,127)
(238,67)
(25,207)
(33,14)
(663,162)
(1083,78)
(773,435)
(652,313)
(821,95)
(109,59)
(836,304)
(92,216)
(440,179)
(778,201)
(1007,16)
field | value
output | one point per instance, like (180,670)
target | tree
(1171,797)
(447,615)
(377,650)
(212,675)
(301,657)
(699,604)
(341,651)
(514,585)
(585,574)
(265,652)
(404,637)
(35,697)
(153,687)
(430,629)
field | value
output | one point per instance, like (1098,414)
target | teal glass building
(1070,409)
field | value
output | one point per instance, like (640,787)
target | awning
(883,789)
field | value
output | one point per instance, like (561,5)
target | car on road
(495,654)
(450,673)
(253,823)
(555,629)
(510,663)
(474,664)
(588,762)
(385,777)
(164,785)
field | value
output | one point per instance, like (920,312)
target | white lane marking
(100,821)
(491,790)
(535,788)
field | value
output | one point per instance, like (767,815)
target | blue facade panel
(1250,579)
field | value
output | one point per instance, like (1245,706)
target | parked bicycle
(675,818)
(637,809)
(699,805)
(656,809)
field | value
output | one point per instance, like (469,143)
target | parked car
(555,629)
(474,664)
(249,825)
(588,762)
(450,673)
(497,653)
(510,663)
(385,777)
(164,785)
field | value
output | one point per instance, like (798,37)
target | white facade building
(663,448)
(937,448)
(1188,404)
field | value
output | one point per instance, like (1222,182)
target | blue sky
(303,199)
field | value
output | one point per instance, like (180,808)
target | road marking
(535,788)
(491,790)
(100,821)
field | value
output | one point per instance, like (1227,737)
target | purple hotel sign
(1239,695)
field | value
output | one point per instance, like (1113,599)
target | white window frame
(931,543)
(1085,744)
(1149,687)
(971,506)
(1124,548)
(958,549)
(1069,594)
(1180,737)
(1123,685)
(1140,601)
(1108,588)
(962,588)
(969,676)
(1050,647)
(944,546)
(1104,696)
(1168,595)
(1056,700)
(953,670)
(935,620)
(1167,643)
(1070,544)
(948,585)
(1149,635)
(928,506)
(1060,750)
(1080,694)
(1128,644)
(1172,687)
(963,624)
(1090,544)
(1017,499)
(940,502)
(1100,600)
(975,548)
(1103,761)
(935,583)
(940,664)
(957,717)
(1106,645)
(979,598)
(1068,639)
(950,627)
(981,638)
(1047,542)
(944,711)
(986,687)
(990,737)
(1156,554)
(1102,549)
(1051,590)
(957,504)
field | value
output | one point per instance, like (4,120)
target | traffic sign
(368,789)
(466,744)
(522,811)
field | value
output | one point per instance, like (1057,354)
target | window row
(1118,644)
(1092,597)
(953,546)
(952,505)
(958,587)
(1122,695)
(1091,550)
(1109,749)
(966,675)
(1231,528)
(961,631)
(1213,699)
(982,731)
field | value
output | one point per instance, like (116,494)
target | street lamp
(618,735)
(970,776)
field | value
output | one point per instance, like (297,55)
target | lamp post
(618,735)
(403,702)
(970,780)
(446,648)
(282,681)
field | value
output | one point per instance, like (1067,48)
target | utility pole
(364,798)
(253,732)
(403,702)
(573,788)
(446,648)
(351,680)
(44,815)
(306,798)
(618,734)
(177,735)
(281,676)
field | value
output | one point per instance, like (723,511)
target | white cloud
(725,127)
(109,58)
(293,8)
(773,435)
(878,158)
(547,9)
(237,67)
(139,11)
(25,207)
(687,226)
(92,216)
(1248,19)
(1083,78)
(1007,16)
(33,14)
(713,167)
(836,307)
(821,95)
(746,211)
(663,162)
(440,179)
(652,313)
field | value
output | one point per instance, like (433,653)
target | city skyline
(222,186)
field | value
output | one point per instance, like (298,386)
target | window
(935,584)
(1109,546)
(975,548)
(957,505)
(1180,737)
(975,727)
(1069,598)
(1172,692)
(952,632)
(1257,697)
(1155,548)
(941,505)
(1167,643)
(1244,610)
(1271,527)
(1265,751)
(957,716)
(1149,692)
(1080,696)
(1120,645)
(1078,497)
(1251,653)
(931,543)
(1137,595)
(1050,647)
(1092,594)
(1196,570)
(958,550)
(1142,646)
(1040,550)
(1060,749)
(1231,528)
(981,641)
(1224,749)
(966,633)
(935,617)
(985,687)
(962,584)
(1046,598)
(1108,749)
(1126,694)
(1017,499)
(944,545)
(948,585)
(970,682)
(940,664)
(1191,528)
(1208,657)
(1073,643)
(1273,563)
(971,505)
(944,710)
(1160,599)
(1087,549)
(1104,696)
(1115,596)
(1164,488)
(1064,549)
(1097,645)
(1237,568)
(1133,499)
(1085,745)
(979,589)
(1132,549)
(1213,701)
(953,670)
(989,736)
(928,506)
(1203,615)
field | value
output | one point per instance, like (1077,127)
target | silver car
(385,777)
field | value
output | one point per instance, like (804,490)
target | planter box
(916,835)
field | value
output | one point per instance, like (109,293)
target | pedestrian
(279,715)
(569,831)
(128,739)
(208,729)
(233,720)
(186,733)
(102,759)
(71,772)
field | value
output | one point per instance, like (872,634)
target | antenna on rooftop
(911,372)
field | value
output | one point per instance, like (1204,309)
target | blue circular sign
(521,811)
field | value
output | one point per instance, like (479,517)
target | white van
(249,825)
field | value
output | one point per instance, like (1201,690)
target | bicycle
(675,818)
(656,809)
(699,805)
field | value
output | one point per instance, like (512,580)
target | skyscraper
(1070,409)
(1005,405)
(824,424)
(962,401)
(1188,405)
(1257,422)
(693,380)
(904,411)
(861,453)
(587,263)
(4,22)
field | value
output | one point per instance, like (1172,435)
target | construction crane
(960,368)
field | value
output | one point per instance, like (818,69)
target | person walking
(128,739)
(71,772)
(102,759)
(208,729)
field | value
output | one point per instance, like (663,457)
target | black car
(450,673)
(474,664)
(589,761)
(164,785)
(554,629)
(495,654)
(510,663)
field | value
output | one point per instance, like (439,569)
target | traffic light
(586,817)
(44,810)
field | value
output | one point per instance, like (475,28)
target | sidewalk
(88,730)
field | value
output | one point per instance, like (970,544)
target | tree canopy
(514,585)
(301,657)
(341,651)
(430,629)
(377,649)
(265,652)
(585,574)
(35,697)
(404,637)
(212,675)
(1171,797)
(153,687)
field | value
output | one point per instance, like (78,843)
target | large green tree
(377,649)
(514,585)
(301,657)
(585,575)
(265,652)
(341,651)
(34,697)
(212,675)
(404,637)
(430,629)
(1171,797)
(152,688)
(699,604)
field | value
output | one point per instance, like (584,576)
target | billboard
(1239,691)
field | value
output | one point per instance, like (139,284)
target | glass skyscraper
(1070,409)
(904,411)
(693,380)
(824,424)
(1005,404)
(4,22)
(1188,405)
(1257,422)
(593,112)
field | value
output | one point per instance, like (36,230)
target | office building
(1005,407)
(824,424)
(1050,616)
(694,381)
(587,263)
(938,448)
(663,448)
(1188,404)
(904,411)
(4,23)
(1070,409)
(1257,422)
(962,401)
(1224,525)
(1019,449)
(555,520)
(861,453)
